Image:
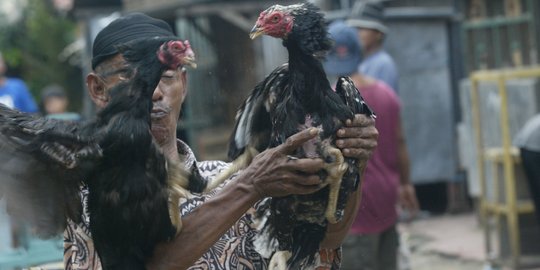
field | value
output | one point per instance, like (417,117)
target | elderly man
(217,230)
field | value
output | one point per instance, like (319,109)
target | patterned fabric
(234,250)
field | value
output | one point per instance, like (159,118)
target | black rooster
(296,96)
(131,184)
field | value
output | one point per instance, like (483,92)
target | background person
(377,63)
(14,92)
(528,141)
(54,102)
(373,239)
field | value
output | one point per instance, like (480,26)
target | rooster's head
(176,53)
(276,21)
(302,24)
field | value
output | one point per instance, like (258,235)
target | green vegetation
(32,48)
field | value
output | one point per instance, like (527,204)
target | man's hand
(271,173)
(408,200)
(358,138)
(274,173)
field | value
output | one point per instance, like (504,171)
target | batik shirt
(234,250)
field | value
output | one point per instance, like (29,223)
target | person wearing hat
(373,240)
(377,62)
(217,232)
(54,102)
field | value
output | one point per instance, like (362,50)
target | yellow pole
(484,215)
(510,206)
(510,183)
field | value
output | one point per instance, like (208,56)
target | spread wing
(253,124)
(41,164)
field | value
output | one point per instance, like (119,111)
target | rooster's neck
(307,77)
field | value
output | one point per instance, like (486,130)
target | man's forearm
(403,158)
(204,226)
(404,166)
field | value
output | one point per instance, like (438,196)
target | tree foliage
(32,47)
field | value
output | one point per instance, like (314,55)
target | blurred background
(469,79)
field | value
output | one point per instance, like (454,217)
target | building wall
(421,51)
(147,4)
(420,3)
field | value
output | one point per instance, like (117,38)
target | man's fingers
(300,184)
(356,153)
(360,120)
(306,180)
(302,190)
(296,140)
(305,165)
(356,143)
(411,206)
(358,132)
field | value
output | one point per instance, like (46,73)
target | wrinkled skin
(272,173)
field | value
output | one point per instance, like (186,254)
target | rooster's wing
(253,123)
(41,166)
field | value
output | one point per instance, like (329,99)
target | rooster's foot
(279,260)
(335,171)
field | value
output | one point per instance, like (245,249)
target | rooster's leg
(178,182)
(279,260)
(174,213)
(238,164)
(335,171)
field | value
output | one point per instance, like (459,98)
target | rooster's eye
(275,18)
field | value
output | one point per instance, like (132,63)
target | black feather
(294,97)
(114,154)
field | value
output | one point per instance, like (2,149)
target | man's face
(167,98)
(55,104)
(369,38)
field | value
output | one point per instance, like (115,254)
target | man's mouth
(158,113)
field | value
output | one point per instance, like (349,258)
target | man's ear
(184,83)
(97,90)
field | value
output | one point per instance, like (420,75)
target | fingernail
(313,131)
(341,132)
(348,122)
(346,151)
(339,143)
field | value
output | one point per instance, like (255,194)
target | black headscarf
(125,29)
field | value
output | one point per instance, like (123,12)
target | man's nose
(157,95)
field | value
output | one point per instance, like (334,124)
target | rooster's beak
(255,32)
(190,61)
